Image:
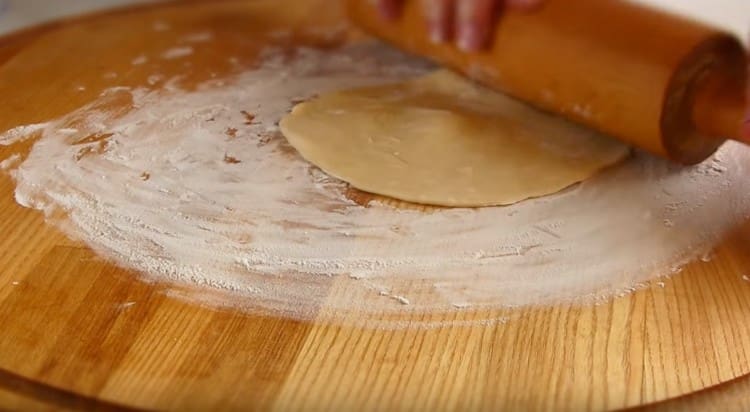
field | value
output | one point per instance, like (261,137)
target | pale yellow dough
(443,140)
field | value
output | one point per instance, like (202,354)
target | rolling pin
(666,84)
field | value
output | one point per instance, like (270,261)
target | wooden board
(78,332)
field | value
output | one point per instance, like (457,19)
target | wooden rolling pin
(669,85)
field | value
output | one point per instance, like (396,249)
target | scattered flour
(154,79)
(200,187)
(177,53)
(139,60)
(20,133)
(10,162)
(161,26)
(200,37)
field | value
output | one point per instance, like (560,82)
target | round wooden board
(78,332)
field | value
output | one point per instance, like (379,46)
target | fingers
(389,9)
(439,15)
(469,23)
(475,20)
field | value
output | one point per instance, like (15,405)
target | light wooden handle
(627,70)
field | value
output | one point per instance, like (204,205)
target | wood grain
(81,333)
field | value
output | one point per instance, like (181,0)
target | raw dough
(443,140)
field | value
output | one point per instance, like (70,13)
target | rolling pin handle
(645,73)
(719,110)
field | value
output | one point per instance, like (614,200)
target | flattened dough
(442,140)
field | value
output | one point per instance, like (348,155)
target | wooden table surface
(79,332)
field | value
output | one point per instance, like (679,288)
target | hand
(469,22)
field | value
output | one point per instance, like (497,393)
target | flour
(199,187)
(161,26)
(20,133)
(10,162)
(200,37)
(177,53)
(139,60)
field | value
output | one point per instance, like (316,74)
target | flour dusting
(139,60)
(177,53)
(200,187)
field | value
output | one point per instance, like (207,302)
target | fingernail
(470,38)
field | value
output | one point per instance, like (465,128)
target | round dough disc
(443,140)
